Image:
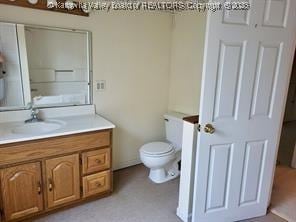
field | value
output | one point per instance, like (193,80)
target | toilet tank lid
(172,115)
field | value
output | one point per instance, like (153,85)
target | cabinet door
(21,190)
(63,184)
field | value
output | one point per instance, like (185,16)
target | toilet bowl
(163,157)
(158,156)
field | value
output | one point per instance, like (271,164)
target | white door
(248,60)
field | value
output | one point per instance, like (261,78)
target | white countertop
(73,125)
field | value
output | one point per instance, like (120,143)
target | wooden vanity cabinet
(41,176)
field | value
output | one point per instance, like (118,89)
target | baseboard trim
(127,164)
(184,216)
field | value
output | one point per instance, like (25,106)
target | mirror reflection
(58,67)
(44,66)
(11,90)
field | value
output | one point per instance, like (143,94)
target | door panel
(228,81)
(275,13)
(236,17)
(220,158)
(252,174)
(21,190)
(247,66)
(267,73)
(63,181)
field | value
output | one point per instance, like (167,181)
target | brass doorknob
(209,128)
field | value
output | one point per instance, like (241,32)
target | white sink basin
(39,127)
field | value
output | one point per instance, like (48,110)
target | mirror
(11,90)
(47,66)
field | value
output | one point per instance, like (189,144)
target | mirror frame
(89,67)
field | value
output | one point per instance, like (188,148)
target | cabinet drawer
(96,160)
(96,183)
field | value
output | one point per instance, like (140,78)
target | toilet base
(162,175)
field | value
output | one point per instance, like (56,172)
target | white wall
(186,61)
(131,52)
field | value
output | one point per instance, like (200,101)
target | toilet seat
(157,149)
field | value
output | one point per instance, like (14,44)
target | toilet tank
(174,128)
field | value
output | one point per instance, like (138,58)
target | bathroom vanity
(45,172)
(61,156)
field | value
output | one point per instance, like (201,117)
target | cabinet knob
(39,187)
(98,161)
(98,184)
(50,184)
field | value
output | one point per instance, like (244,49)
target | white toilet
(163,157)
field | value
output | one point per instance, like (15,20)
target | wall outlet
(101,85)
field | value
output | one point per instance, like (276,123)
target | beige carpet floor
(135,199)
(283,201)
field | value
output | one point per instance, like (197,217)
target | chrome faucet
(34,114)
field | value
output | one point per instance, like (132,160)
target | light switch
(101,85)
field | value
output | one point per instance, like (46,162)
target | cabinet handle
(98,161)
(50,184)
(98,184)
(39,187)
